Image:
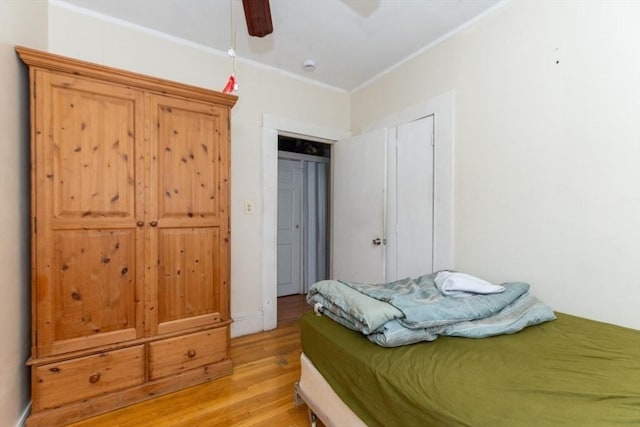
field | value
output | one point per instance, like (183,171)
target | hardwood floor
(258,393)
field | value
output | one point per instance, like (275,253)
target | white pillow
(451,283)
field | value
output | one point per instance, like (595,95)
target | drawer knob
(94,378)
(191,353)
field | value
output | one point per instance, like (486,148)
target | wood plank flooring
(259,393)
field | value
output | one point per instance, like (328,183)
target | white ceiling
(351,41)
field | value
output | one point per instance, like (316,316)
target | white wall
(547,153)
(547,147)
(75,33)
(21,23)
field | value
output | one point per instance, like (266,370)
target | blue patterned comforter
(413,310)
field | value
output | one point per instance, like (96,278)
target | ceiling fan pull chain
(232,84)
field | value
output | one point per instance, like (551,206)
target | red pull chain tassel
(231,85)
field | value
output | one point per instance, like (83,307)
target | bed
(567,372)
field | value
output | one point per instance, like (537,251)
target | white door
(289,223)
(358,222)
(414,199)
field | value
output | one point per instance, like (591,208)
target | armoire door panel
(189,263)
(93,296)
(88,192)
(188,206)
(188,154)
(92,155)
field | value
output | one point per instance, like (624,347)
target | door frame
(272,126)
(441,107)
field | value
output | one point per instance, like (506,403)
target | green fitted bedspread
(568,372)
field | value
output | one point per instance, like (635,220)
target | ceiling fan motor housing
(258,16)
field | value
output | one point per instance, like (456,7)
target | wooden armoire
(130,237)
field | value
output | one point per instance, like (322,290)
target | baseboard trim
(247,323)
(23,418)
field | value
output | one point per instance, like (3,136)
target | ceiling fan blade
(258,16)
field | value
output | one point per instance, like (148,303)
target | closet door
(290,192)
(383,199)
(187,217)
(358,184)
(87,203)
(412,247)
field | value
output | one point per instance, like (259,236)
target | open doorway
(302,214)
(442,109)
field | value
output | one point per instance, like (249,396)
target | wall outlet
(248,207)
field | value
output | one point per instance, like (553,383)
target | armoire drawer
(58,383)
(175,355)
